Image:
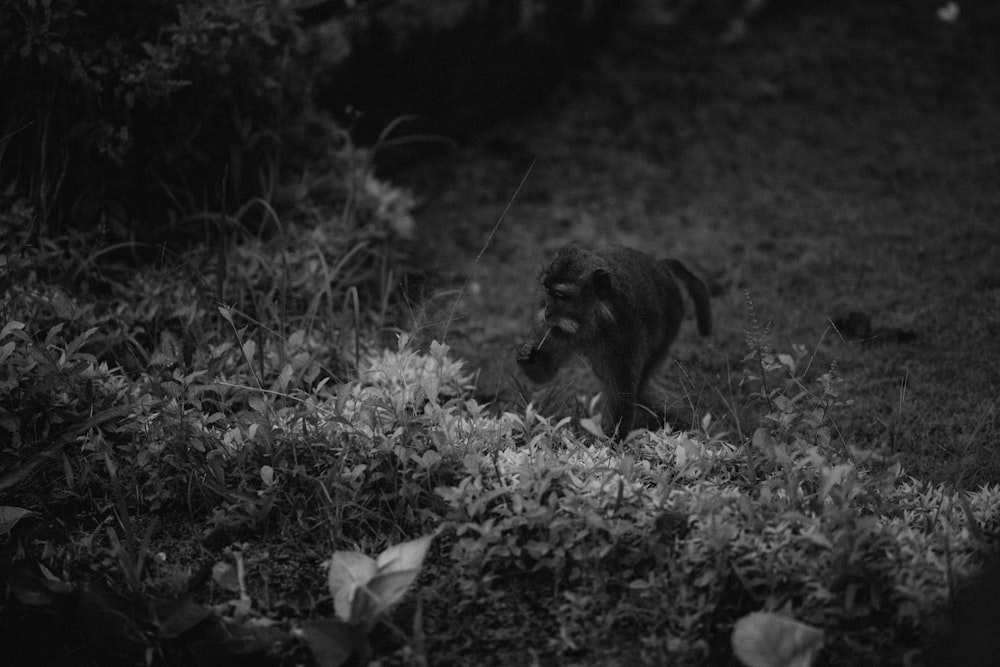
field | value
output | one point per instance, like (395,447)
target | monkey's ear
(602,282)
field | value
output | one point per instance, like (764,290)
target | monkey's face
(572,285)
(565,309)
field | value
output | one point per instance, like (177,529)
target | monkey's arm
(541,359)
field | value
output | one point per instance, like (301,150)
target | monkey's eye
(559,295)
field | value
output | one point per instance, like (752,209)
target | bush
(119,110)
(663,546)
(655,547)
(119,113)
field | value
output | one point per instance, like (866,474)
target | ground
(832,166)
(832,162)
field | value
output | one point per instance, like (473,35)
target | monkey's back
(648,306)
(648,289)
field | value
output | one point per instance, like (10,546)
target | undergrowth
(206,457)
(146,440)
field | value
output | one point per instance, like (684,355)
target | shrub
(666,546)
(118,110)
(659,544)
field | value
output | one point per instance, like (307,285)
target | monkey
(620,310)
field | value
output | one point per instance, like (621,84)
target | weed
(229,457)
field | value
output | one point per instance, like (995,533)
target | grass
(196,498)
(186,442)
(823,179)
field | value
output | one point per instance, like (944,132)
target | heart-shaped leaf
(764,639)
(398,566)
(363,587)
(348,571)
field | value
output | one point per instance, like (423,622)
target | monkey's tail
(699,294)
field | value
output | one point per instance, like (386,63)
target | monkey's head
(577,291)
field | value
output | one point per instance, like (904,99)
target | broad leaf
(332,643)
(404,556)
(398,566)
(348,571)
(365,608)
(363,587)
(592,427)
(175,617)
(764,639)
(10,516)
(226,577)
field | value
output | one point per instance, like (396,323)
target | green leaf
(258,404)
(80,340)
(11,327)
(398,566)
(592,427)
(363,587)
(267,475)
(175,617)
(249,350)
(226,577)
(332,642)
(6,350)
(764,639)
(9,516)
(348,571)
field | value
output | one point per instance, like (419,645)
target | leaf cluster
(246,439)
(259,440)
(117,110)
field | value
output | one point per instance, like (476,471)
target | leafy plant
(157,99)
(364,589)
(229,436)
(770,640)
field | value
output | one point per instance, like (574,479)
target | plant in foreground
(770,640)
(364,589)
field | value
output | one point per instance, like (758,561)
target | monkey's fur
(618,308)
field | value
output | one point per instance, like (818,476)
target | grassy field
(212,459)
(833,162)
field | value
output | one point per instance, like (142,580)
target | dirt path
(823,179)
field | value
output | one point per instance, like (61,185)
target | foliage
(183,426)
(785,521)
(770,640)
(408,21)
(119,114)
(232,433)
(116,109)
(363,590)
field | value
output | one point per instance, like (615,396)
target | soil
(836,165)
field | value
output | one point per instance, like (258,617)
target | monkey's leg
(619,417)
(620,403)
(651,412)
